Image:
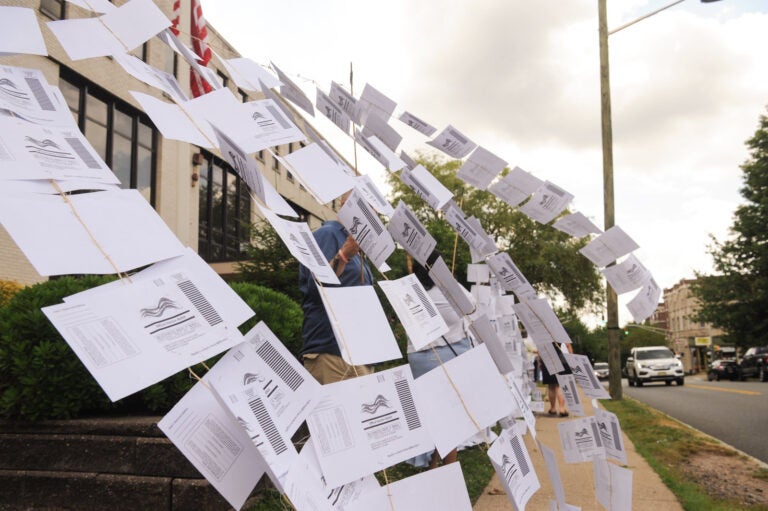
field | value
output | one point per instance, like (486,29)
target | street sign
(702,341)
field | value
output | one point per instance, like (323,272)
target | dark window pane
(71,94)
(145,135)
(97,136)
(96,109)
(123,124)
(217,205)
(144,172)
(52,8)
(121,160)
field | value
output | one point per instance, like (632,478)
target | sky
(521,79)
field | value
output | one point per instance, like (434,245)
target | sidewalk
(648,491)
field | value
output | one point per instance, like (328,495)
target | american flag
(198,33)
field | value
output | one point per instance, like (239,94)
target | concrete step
(120,463)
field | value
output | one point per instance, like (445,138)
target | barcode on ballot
(267,425)
(83,153)
(406,402)
(373,221)
(39,91)
(517,448)
(312,248)
(200,303)
(424,301)
(280,366)
(414,222)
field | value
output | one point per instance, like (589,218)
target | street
(734,412)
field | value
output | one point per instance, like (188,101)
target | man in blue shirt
(320,351)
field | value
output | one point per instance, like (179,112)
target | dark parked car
(723,369)
(754,363)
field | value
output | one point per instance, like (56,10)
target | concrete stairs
(99,464)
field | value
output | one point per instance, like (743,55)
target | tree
(735,298)
(548,258)
(269,263)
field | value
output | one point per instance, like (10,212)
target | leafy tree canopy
(735,298)
(548,258)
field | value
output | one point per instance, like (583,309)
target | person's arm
(348,250)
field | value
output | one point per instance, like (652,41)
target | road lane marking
(735,391)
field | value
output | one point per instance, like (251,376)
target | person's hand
(350,248)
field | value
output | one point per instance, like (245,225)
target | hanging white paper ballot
(406,230)
(478,273)
(440,489)
(248,75)
(576,225)
(548,201)
(372,101)
(580,440)
(364,225)
(310,487)
(292,92)
(415,309)
(549,354)
(453,143)
(418,124)
(244,164)
(585,377)
(407,160)
(485,243)
(514,468)
(510,277)
(550,330)
(27,94)
(46,187)
(207,434)
(609,246)
(378,127)
(346,101)
(462,395)
(134,335)
(119,31)
(572,399)
(379,151)
(628,275)
(269,126)
(456,219)
(152,76)
(461,301)
(31,151)
(554,475)
(319,173)
(613,485)
(332,111)
(254,393)
(291,390)
(359,325)
(610,432)
(516,186)
(645,302)
(99,6)
(426,186)
(177,122)
(375,198)
(130,233)
(20,32)
(483,330)
(481,168)
(367,424)
(302,245)
(524,406)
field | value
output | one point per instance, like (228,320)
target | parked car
(754,363)
(723,369)
(654,363)
(601,370)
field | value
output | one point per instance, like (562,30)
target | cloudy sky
(522,80)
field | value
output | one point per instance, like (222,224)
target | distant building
(691,339)
(197,194)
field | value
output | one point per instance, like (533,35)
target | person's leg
(552,389)
(328,368)
(561,402)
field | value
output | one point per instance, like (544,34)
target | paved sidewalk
(648,491)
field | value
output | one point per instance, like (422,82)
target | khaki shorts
(327,368)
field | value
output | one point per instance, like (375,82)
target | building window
(224,213)
(243,95)
(55,9)
(140,52)
(275,161)
(169,61)
(289,176)
(224,78)
(123,136)
(260,155)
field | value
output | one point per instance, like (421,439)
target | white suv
(654,363)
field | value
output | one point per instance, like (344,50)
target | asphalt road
(735,413)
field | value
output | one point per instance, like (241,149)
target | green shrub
(281,314)
(42,378)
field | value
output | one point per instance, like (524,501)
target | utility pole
(612,303)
